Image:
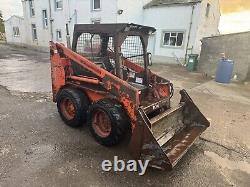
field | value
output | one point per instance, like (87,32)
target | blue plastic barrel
(224,71)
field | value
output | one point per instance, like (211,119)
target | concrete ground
(37,149)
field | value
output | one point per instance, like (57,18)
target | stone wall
(235,46)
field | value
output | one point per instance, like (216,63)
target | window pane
(44,13)
(45,18)
(173,33)
(180,39)
(31,4)
(32,10)
(59,35)
(16,31)
(97,4)
(166,39)
(34,33)
(172,41)
(59,4)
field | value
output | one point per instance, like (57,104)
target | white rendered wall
(164,18)
(208,25)
(43,34)
(132,11)
(172,18)
(73,12)
(15,21)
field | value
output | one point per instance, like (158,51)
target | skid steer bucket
(164,139)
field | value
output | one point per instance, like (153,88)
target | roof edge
(12,17)
(148,6)
(228,34)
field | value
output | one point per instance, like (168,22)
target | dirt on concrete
(24,70)
(37,149)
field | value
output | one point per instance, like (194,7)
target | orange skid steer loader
(105,81)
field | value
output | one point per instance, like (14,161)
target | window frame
(34,34)
(170,32)
(32,7)
(58,8)
(45,19)
(57,38)
(93,5)
(16,31)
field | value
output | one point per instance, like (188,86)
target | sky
(11,7)
(235,14)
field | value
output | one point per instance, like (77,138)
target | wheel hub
(68,109)
(101,123)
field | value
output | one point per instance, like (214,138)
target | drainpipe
(68,36)
(51,21)
(189,32)
(67,28)
(76,16)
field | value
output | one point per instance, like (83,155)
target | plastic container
(224,71)
(192,62)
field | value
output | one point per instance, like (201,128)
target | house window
(34,31)
(174,39)
(16,31)
(208,9)
(45,19)
(58,35)
(59,4)
(96,21)
(32,8)
(96,4)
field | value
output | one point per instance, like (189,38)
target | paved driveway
(37,149)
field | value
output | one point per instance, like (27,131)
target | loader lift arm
(105,79)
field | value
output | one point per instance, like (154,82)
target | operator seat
(107,65)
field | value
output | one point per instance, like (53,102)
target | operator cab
(121,49)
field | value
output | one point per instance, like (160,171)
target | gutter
(51,21)
(147,6)
(189,31)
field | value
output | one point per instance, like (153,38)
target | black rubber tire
(81,104)
(119,121)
